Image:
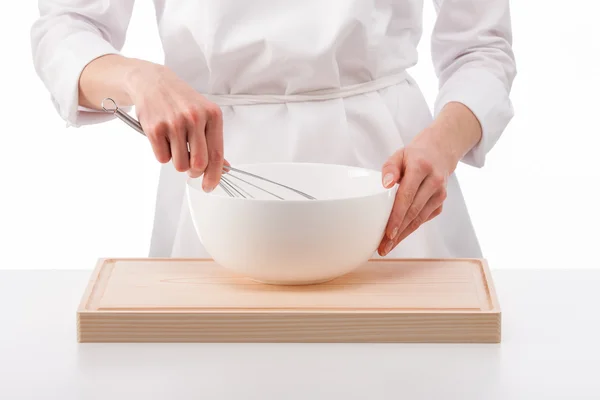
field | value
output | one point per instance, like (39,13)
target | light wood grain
(195,300)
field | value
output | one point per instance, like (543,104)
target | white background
(69,196)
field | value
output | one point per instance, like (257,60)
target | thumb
(391,169)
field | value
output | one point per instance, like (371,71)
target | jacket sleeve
(471,47)
(65,38)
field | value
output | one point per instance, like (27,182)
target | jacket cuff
(76,52)
(488,100)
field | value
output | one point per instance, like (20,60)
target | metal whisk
(227,182)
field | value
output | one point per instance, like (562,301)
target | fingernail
(388,179)
(394,233)
(388,247)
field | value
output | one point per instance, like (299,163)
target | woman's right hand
(173,115)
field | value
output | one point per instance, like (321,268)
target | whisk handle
(123,116)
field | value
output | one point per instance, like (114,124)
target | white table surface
(550,350)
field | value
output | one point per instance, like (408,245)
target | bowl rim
(384,191)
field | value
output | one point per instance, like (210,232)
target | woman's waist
(258,96)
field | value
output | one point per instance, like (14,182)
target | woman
(305,81)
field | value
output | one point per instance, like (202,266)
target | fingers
(197,142)
(432,188)
(389,245)
(428,213)
(407,190)
(178,138)
(433,205)
(425,216)
(391,170)
(435,213)
(168,138)
(200,127)
(157,135)
(214,140)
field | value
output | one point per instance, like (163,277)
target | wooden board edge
(91,283)
(139,312)
(430,259)
(491,287)
(325,329)
(203,259)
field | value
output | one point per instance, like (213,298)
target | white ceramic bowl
(294,241)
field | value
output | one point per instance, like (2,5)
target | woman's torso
(283,47)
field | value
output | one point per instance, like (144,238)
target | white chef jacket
(303,81)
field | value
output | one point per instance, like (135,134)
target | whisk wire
(227,168)
(251,184)
(236,188)
(228,188)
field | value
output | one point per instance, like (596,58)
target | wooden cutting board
(189,300)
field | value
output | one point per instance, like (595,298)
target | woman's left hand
(421,169)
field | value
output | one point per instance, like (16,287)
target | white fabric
(268,63)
